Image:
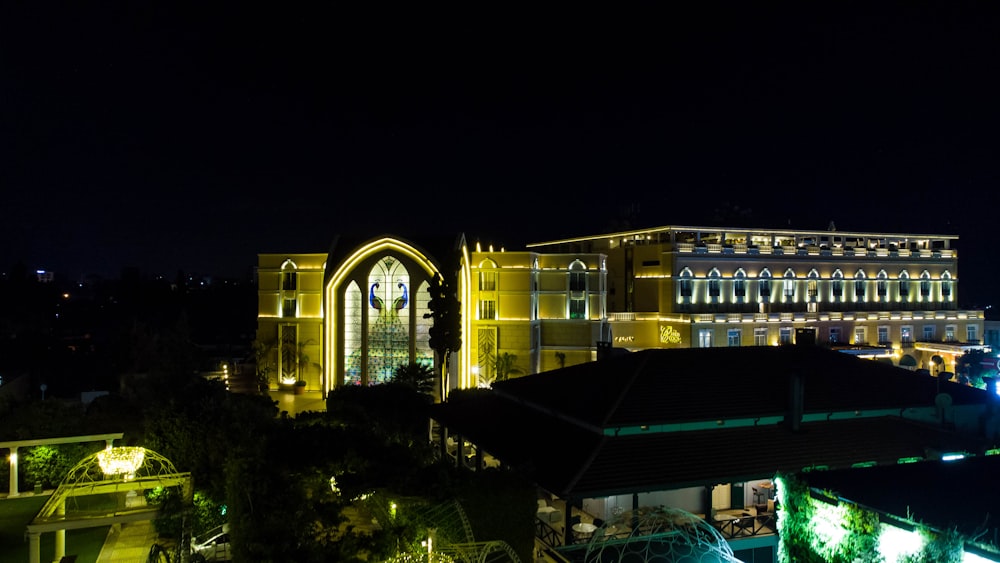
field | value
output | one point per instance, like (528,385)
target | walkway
(295,404)
(128,543)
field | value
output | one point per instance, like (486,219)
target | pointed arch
(714,285)
(904,285)
(739,285)
(764,284)
(882,285)
(860,280)
(837,285)
(789,284)
(686,285)
(387,304)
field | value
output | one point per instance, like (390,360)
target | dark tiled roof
(570,460)
(669,386)
(552,425)
(956,494)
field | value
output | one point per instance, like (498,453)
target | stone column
(60,534)
(34,547)
(13,472)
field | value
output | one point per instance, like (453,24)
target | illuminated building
(869,294)
(353,315)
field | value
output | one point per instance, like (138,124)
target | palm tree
(419,377)
(507,366)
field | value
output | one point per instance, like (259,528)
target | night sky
(174,137)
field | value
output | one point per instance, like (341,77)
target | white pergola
(108,440)
(113,471)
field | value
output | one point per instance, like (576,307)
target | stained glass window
(352,334)
(388,319)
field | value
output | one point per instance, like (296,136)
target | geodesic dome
(661,534)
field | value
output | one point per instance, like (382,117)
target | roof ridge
(624,390)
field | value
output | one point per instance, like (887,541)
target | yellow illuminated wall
(290,317)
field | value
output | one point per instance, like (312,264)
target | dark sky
(193,136)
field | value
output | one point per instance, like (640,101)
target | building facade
(352,315)
(893,296)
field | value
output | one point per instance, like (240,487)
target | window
(789,284)
(764,285)
(740,285)
(577,276)
(904,284)
(734,337)
(859,285)
(714,285)
(760,337)
(837,287)
(860,336)
(812,288)
(687,284)
(882,286)
(785,335)
(487,281)
(906,335)
(834,334)
(946,286)
(949,333)
(883,335)
(928,333)
(288,307)
(577,290)
(288,281)
(487,310)
(705,338)
(971,333)
(925,285)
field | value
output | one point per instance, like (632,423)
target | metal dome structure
(113,481)
(660,534)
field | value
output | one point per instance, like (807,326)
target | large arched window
(577,290)
(812,287)
(353,329)
(388,319)
(925,285)
(904,285)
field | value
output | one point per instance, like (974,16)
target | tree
(446,332)
(507,366)
(418,377)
